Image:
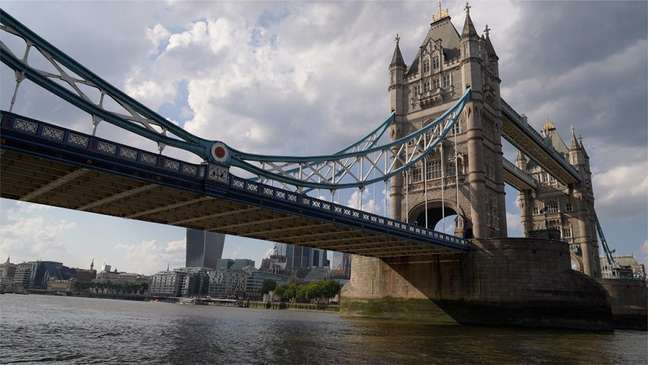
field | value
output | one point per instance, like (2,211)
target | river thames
(36,328)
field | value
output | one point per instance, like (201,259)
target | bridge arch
(435,215)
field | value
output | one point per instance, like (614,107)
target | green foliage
(308,292)
(268,285)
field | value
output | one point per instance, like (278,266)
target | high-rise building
(204,249)
(300,257)
(341,265)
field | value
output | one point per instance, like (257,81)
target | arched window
(435,62)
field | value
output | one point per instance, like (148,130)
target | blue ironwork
(38,138)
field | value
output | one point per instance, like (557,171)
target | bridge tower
(566,211)
(465,176)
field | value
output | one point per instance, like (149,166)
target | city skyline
(189,44)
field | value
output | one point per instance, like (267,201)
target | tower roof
(397,57)
(468,28)
(574,141)
(490,50)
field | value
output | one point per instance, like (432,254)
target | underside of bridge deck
(45,176)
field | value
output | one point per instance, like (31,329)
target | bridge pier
(502,281)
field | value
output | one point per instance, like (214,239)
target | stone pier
(502,281)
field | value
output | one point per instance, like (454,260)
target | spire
(8,259)
(397,58)
(574,141)
(440,14)
(468,28)
(582,146)
(92,264)
(490,50)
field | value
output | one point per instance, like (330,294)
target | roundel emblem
(220,152)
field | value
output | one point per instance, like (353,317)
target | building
(254,283)
(204,249)
(7,272)
(567,211)
(22,276)
(167,283)
(227,283)
(275,264)
(341,265)
(626,267)
(235,264)
(195,283)
(301,257)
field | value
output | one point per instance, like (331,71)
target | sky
(305,78)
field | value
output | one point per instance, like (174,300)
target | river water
(37,328)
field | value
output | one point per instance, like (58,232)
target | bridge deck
(50,165)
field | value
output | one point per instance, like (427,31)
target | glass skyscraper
(204,249)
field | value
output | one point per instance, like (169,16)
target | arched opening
(440,219)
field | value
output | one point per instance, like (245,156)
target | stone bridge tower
(555,207)
(466,181)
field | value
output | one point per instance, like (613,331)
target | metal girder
(306,237)
(169,207)
(119,196)
(354,168)
(289,229)
(54,184)
(215,215)
(248,223)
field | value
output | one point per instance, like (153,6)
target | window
(433,169)
(567,232)
(446,80)
(552,206)
(436,83)
(426,85)
(435,62)
(568,207)
(416,174)
(426,66)
(553,224)
(537,208)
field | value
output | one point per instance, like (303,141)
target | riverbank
(196,301)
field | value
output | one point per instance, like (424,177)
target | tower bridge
(438,153)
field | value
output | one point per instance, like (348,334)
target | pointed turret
(490,50)
(468,28)
(574,141)
(8,259)
(397,57)
(521,161)
(92,264)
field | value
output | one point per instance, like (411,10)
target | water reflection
(78,330)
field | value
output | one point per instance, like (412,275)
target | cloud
(644,253)
(514,225)
(150,256)
(26,233)
(368,203)
(622,190)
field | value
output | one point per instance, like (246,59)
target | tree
(268,285)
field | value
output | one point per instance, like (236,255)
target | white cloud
(623,188)
(26,233)
(514,225)
(150,256)
(644,253)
